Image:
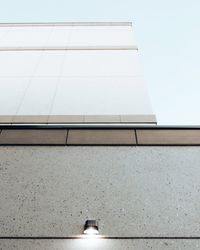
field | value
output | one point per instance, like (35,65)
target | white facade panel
(102,63)
(101,95)
(50,63)
(26,36)
(38,97)
(60,36)
(3,32)
(70,63)
(18,63)
(102,36)
(66,35)
(12,90)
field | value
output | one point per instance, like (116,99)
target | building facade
(79,141)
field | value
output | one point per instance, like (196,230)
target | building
(65,90)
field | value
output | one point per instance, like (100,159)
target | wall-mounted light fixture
(91,227)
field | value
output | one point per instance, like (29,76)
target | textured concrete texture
(132,191)
(99,244)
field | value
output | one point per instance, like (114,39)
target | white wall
(101,75)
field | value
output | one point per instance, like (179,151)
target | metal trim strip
(66,24)
(35,48)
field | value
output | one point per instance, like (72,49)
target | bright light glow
(87,243)
(91,231)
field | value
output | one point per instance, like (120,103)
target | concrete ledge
(138,119)
(81,119)
(101,137)
(168,137)
(65,119)
(5,119)
(102,119)
(22,119)
(33,137)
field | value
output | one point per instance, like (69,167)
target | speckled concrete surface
(132,191)
(99,244)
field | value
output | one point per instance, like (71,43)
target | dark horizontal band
(88,137)
(101,237)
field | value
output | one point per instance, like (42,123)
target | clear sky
(168,36)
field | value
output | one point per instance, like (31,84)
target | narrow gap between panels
(101,237)
(136,139)
(67,137)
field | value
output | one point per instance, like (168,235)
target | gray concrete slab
(132,191)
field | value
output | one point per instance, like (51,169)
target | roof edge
(67,24)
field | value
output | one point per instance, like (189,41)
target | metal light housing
(91,227)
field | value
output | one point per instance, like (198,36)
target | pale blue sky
(168,36)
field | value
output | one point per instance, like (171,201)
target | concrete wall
(132,191)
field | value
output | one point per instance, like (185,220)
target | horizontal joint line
(66,24)
(99,237)
(69,48)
